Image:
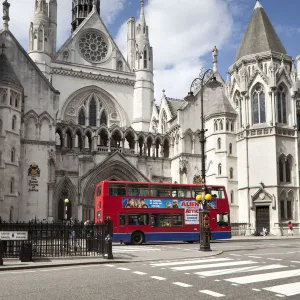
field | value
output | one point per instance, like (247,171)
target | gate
(58,239)
(262,218)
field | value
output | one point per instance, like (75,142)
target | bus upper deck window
(181,192)
(117,189)
(160,191)
(140,190)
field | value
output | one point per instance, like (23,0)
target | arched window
(92,113)
(281,105)
(145,59)
(1,125)
(258,105)
(103,118)
(17,102)
(231,173)
(281,177)
(230,148)
(219,169)
(120,66)
(221,125)
(12,155)
(81,117)
(13,123)
(232,126)
(12,185)
(216,126)
(287,171)
(227,125)
(11,100)
(219,143)
(231,197)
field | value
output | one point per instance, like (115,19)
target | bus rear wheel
(137,238)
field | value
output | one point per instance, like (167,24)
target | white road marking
(274,258)
(264,277)
(123,269)
(256,290)
(282,296)
(239,270)
(291,252)
(186,262)
(217,280)
(217,265)
(289,289)
(162,268)
(158,277)
(109,265)
(14,272)
(212,293)
(187,273)
(294,261)
(252,256)
(182,284)
(234,284)
(139,273)
(235,254)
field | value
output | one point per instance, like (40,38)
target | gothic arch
(81,96)
(117,167)
(68,128)
(78,129)
(130,130)
(31,115)
(88,130)
(64,190)
(101,129)
(45,115)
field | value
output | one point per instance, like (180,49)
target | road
(270,270)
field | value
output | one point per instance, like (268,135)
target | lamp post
(196,86)
(66,208)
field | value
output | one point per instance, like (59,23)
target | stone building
(72,117)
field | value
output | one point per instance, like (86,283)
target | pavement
(129,254)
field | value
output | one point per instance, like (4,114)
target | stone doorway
(262,218)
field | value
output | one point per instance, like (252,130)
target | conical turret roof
(7,73)
(260,35)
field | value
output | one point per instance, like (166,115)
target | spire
(258,4)
(260,35)
(215,53)
(5,17)
(142,13)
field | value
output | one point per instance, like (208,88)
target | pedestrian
(290,229)
(264,231)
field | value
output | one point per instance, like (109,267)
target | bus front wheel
(137,238)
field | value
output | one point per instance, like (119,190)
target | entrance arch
(64,190)
(116,167)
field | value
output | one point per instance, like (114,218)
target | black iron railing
(58,239)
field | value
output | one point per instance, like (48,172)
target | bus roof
(159,183)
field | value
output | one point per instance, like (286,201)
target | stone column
(94,147)
(123,145)
(137,147)
(193,145)
(109,144)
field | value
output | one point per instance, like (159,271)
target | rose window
(93,47)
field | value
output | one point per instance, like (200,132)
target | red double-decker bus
(153,212)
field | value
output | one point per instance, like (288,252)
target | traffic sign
(14,235)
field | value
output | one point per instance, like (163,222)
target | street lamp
(66,208)
(196,86)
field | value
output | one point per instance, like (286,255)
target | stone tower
(262,91)
(144,87)
(42,35)
(81,9)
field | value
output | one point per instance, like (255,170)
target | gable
(92,45)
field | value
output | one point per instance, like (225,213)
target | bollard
(108,240)
(1,252)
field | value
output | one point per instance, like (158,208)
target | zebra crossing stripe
(239,270)
(264,277)
(289,289)
(187,262)
(212,293)
(218,265)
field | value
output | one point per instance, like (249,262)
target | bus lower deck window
(122,220)
(222,220)
(177,220)
(138,219)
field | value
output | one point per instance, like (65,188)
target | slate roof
(7,73)
(174,105)
(260,35)
(220,105)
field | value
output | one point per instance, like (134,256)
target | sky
(182,32)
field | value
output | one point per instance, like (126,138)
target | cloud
(19,26)
(288,31)
(181,33)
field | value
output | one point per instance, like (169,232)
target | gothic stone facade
(73,117)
